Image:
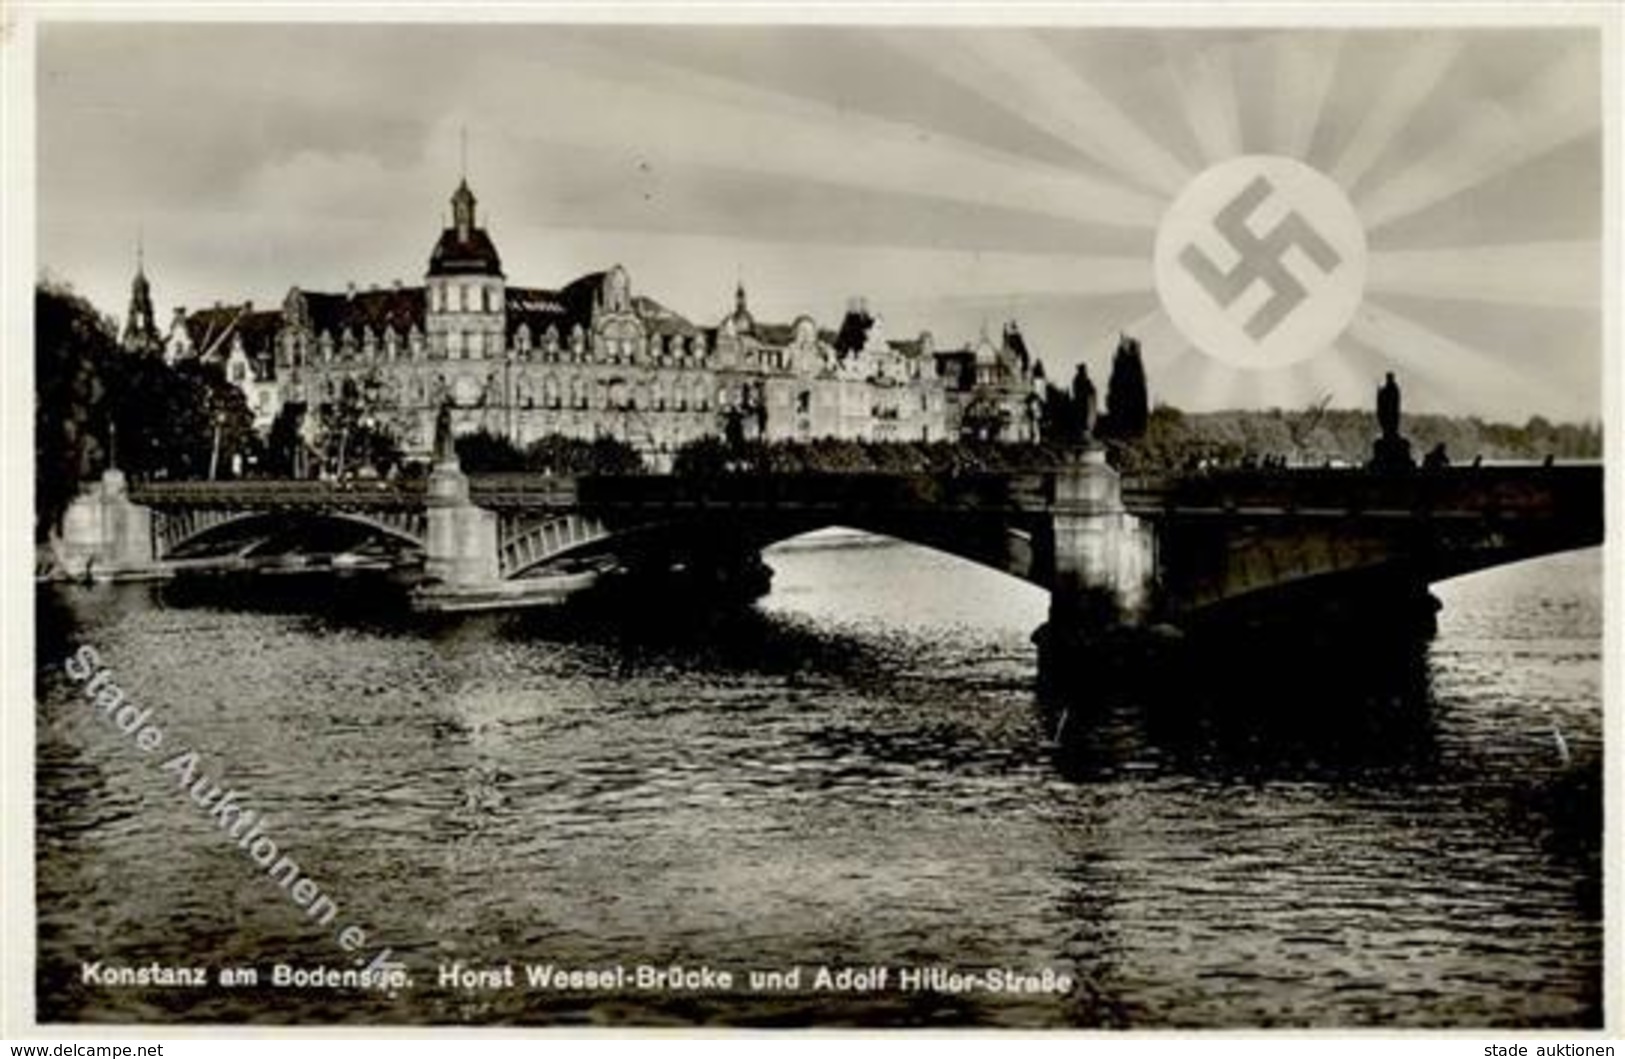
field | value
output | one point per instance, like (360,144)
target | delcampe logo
(1261,261)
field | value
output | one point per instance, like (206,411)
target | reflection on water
(854,772)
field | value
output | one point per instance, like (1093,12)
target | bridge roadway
(1453,493)
(1109,549)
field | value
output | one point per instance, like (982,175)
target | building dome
(464,249)
(740,319)
(474,255)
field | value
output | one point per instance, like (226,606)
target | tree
(485,452)
(1127,401)
(222,417)
(285,443)
(73,347)
(354,429)
(984,418)
(705,457)
(98,404)
(557,454)
(1060,418)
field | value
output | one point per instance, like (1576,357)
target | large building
(594,358)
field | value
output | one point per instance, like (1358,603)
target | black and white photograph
(1035,522)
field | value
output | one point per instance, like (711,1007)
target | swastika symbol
(1259,259)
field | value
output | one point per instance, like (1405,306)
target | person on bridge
(1436,459)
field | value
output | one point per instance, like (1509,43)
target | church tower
(140,329)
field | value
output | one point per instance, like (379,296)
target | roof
(212,331)
(456,256)
(659,320)
(774,334)
(538,309)
(573,304)
(398,307)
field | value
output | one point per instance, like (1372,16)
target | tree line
(98,405)
(1321,436)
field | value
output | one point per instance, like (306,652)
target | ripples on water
(854,772)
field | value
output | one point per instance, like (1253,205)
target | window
(462,297)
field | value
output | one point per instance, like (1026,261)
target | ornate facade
(593,358)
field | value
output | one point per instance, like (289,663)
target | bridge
(1114,553)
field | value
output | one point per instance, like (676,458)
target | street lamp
(214,450)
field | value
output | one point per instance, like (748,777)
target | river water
(853,773)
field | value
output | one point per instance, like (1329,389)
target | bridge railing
(272,494)
(1558,491)
(821,492)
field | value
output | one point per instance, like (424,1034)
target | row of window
(467,344)
(664,351)
(470,298)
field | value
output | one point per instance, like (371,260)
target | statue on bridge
(445,443)
(1087,402)
(1391,453)
(1388,407)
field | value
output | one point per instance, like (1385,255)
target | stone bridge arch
(1229,563)
(176,530)
(529,544)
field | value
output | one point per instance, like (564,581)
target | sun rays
(1304,72)
(1206,84)
(1561,275)
(1393,105)
(1021,74)
(1559,105)
(748,128)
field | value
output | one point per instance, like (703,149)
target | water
(854,773)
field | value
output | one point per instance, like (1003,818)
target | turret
(462,211)
(140,328)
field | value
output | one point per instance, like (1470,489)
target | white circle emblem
(1261,261)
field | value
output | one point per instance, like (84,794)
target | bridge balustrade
(272,494)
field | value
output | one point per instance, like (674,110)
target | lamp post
(507,394)
(214,449)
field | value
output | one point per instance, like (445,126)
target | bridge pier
(1102,573)
(461,546)
(1104,563)
(105,535)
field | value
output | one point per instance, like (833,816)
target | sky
(956,178)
